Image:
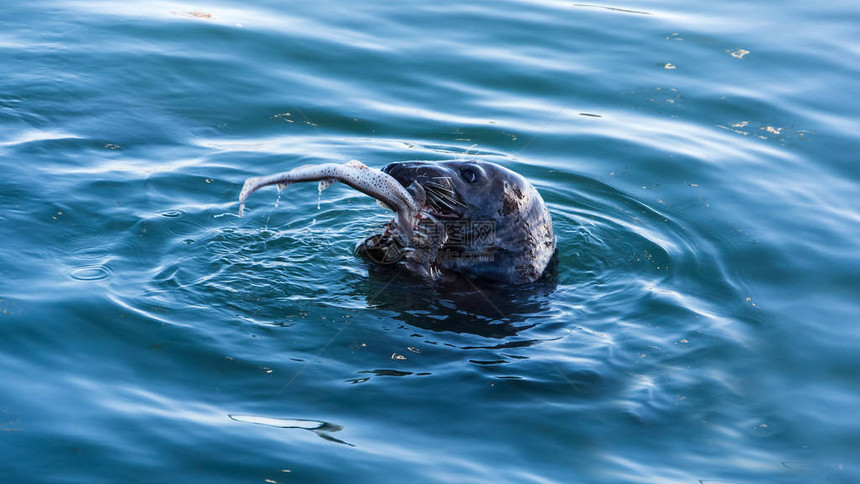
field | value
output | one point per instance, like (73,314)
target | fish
(407,203)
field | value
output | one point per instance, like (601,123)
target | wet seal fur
(479,220)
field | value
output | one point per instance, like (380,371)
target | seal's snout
(392,169)
(404,174)
(408,172)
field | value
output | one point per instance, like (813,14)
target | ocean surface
(699,159)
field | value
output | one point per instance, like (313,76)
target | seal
(452,218)
(481,220)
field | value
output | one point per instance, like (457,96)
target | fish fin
(326,183)
(356,164)
(418,193)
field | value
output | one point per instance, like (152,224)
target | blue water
(699,160)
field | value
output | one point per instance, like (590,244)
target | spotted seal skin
(478,219)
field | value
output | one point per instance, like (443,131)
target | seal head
(479,219)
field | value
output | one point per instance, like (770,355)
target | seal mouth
(438,204)
(440,209)
(437,230)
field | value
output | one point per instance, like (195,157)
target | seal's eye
(469,175)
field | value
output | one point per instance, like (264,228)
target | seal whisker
(439,197)
(446,186)
(446,198)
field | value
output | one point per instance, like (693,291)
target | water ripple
(696,326)
(91,273)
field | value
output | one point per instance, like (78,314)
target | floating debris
(193,14)
(612,9)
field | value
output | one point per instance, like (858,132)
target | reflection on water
(459,306)
(323,429)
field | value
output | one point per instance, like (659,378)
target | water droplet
(170,213)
